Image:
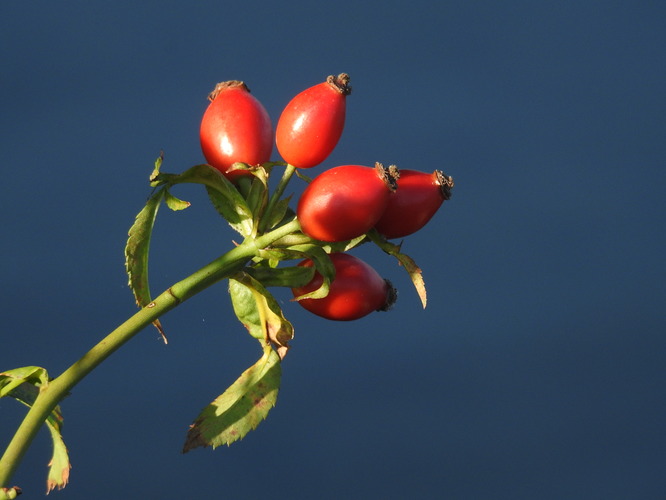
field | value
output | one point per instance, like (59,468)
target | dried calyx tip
(340,82)
(389,175)
(391,296)
(226,85)
(445,183)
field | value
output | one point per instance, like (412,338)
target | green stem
(59,387)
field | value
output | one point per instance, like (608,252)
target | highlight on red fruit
(345,202)
(417,198)
(235,128)
(356,291)
(311,124)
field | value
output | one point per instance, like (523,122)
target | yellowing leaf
(259,312)
(24,385)
(175,203)
(59,465)
(240,408)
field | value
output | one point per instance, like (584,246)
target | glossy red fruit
(311,124)
(235,128)
(356,291)
(345,202)
(417,198)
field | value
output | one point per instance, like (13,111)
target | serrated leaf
(259,312)
(174,203)
(138,247)
(59,465)
(136,253)
(226,208)
(24,385)
(414,271)
(223,194)
(240,408)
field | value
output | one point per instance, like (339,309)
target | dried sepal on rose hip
(345,201)
(311,124)
(416,200)
(356,291)
(235,128)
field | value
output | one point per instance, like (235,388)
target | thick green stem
(49,398)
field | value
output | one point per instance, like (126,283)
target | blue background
(537,370)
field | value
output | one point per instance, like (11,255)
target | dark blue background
(537,370)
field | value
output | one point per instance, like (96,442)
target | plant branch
(58,388)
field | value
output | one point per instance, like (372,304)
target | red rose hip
(416,199)
(356,291)
(345,202)
(311,124)
(235,128)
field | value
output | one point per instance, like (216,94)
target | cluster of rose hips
(339,209)
(342,203)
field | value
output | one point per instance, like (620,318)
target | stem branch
(223,267)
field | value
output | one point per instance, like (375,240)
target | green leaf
(280,212)
(302,176)
(290,276)
(226,199)
(12,379)
(156,171)
(240,408)
(414,271)
(257,197)
(240,223)
(324,266)
(345,246)
(59,465)
(223,194)
(138,247)
(260,313)
(24,385)
(174,203)
(136,253)
(314,252)
(276,255)
(239,165)
(246,310)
